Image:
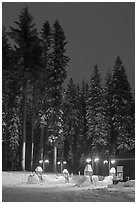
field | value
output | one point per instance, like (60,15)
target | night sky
(96,33)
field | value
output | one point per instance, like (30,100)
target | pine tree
(122,106)
(46,35)
(44,100)
(95,116)
(72,125)
(36,76)
(108,113)
(56,76)
(82,100)
(11,104)
(82,142)
(25,37)
(5,101)
(57,64)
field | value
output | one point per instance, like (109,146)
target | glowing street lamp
(113,161)
(105,162)
(46,161)
(96,164)
(88,160)
(43,162)
(40,161)
(96,159)
(61,164)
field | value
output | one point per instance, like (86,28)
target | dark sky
(96,33)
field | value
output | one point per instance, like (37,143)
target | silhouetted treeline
(41,119)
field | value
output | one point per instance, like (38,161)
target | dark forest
(41,119)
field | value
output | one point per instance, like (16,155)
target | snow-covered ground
(15,188)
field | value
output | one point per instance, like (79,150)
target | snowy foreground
(16,189)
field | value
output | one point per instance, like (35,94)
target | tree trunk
(41,142)
(24,126)
(32,141)
(5,155)
(32,131)
(55,158)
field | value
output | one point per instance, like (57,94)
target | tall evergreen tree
(72,125)
(5,98)
(24,36)
(57,64)
(95,116)
(108,113)
(11,103)
(122,107)
(56,73)
(83,98)
(46,37)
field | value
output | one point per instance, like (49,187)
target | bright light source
(113,161)
(64,162)
(58,162)
(105,162)
(41,161)
(96,159)
(88,160)
(46,161)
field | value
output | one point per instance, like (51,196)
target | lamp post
(105,162)
(88,160)
(46,162)
(106,166)
(43,163)
(61,165)
(96,159)
(96,163)
(112,161)
(109,162)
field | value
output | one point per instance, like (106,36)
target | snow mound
(33,179)
(130,183)
(83,181)
(13,177)
(52,180)
(108,180)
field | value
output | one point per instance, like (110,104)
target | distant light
(58,162)
(41,161)
(46,161)
(88,160)
(105,162)
(64,162)
(96,159)
(113,161)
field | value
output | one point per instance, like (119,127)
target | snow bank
(16,189)
(130,183)
(84,181)
(13,177)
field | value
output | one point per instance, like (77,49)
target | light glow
(96,159)
(88,160)
(105,162)
(113,161)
